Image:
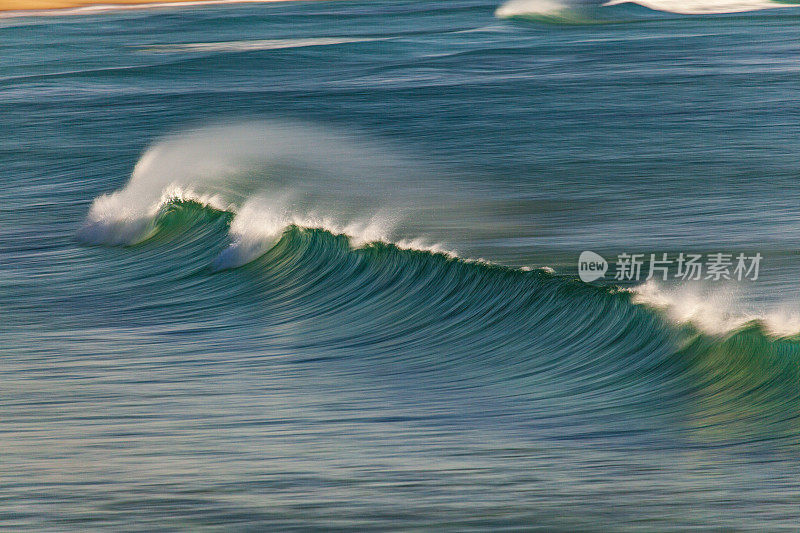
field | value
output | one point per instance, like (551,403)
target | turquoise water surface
(313,266)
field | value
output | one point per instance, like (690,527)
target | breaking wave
(578,12)
(526,328)
(312,220)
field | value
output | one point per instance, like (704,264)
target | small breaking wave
(577,12)
(261,222)
(554,11)
(702,7)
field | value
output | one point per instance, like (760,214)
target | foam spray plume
(270,175)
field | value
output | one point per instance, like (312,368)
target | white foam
(120,219)
(195,166)
(716,310)
(261,221)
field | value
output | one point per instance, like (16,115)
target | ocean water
(314,266)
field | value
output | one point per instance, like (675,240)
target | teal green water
(313,266)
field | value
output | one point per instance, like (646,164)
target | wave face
(645,357)
(525,323)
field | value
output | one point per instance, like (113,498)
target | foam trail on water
(260,44)
(716,310)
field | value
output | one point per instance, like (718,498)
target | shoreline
(28,8)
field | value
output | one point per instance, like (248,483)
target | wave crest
(269,176)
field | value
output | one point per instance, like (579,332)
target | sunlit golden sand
(41,5)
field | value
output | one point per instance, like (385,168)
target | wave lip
(118,219)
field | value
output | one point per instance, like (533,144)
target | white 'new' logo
(591,266)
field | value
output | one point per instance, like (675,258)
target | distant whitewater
(576,11)
(702,7)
